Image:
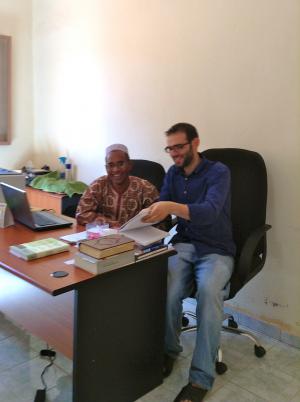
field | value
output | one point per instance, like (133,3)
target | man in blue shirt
(197,191)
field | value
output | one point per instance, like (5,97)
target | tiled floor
(274,378)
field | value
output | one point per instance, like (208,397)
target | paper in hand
(136,222)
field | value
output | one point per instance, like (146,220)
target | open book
(141,232)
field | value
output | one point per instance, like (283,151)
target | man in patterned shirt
(116,197)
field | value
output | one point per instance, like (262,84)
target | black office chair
(149,170)
(248,213)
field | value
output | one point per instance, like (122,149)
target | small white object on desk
(6,218)
(95,230)
(74,237)
(77,237)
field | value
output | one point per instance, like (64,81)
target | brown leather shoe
(168,365)
(190,393)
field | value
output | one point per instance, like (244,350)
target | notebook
(17,201)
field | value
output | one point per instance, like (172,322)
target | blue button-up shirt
(206,192)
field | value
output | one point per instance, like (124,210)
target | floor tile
(188,343)
(273,378)
(161,393)
(13,351)
(24,379)
(8,395)
(233,393)
(62,392)
(268,382)
(179,375)
(64,363)
(7,328)
(287,358)
(296,398)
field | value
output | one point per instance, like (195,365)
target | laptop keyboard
(42,220)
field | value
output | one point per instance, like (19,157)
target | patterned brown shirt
(103,204)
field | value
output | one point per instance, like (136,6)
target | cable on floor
(40,395)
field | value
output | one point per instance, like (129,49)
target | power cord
(40,395)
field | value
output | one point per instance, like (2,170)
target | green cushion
(52,183)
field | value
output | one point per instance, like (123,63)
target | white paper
(74,237)
(141,232)
(136,221)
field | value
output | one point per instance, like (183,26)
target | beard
(187,159)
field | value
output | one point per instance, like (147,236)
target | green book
(39,248)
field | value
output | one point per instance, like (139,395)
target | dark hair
(189,130)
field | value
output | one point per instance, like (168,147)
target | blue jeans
(210,274)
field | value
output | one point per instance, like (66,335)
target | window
(5,47)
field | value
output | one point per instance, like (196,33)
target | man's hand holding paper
(160,210)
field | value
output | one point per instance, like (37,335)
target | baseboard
(266,328)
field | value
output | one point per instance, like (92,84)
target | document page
(146,235)
(141,232)
(136,221)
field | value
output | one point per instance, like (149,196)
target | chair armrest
(245,269)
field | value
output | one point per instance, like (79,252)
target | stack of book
(105,253)
(39,248)
(142,252)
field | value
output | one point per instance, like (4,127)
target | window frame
(5,88)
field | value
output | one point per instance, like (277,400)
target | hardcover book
(106,246)
(149,252)
(39,248)
(99,266)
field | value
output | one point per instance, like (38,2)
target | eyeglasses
(176,147)
(119,165)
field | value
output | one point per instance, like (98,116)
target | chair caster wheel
(259,351)
(221,368)
(185,321)
(232,323)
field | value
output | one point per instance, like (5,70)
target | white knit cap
(116,147)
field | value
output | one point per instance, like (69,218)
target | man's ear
(196,142)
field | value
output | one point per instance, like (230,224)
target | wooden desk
(118,318)
(60,203)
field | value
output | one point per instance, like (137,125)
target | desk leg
(118,333)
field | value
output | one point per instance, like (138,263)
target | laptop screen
(17,202)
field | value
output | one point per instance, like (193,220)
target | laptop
(17,201)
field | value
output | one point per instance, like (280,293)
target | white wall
(15,21)
(125,70)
